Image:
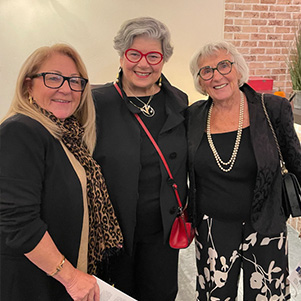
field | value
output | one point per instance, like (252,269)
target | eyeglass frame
(213,69)
(65,78)
(142,55)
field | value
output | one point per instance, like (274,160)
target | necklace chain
(221,164)
(146,109)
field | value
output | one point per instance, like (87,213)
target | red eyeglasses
(135,56)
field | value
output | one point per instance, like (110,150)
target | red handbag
(182,232)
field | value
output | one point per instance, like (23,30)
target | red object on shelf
(261,83)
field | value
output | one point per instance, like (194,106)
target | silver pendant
(147,111)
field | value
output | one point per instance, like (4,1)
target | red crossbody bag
(182,233)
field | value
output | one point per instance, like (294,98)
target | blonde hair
(85,112)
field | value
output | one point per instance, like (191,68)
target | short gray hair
(210,49)
(147,26)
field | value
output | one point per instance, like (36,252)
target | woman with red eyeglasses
(136,178)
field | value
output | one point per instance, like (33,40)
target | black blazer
(40,192)
(267,214)
(118,153)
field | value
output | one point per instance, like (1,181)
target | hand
(79,285)
(83,287)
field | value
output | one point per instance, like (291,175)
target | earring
(30,99)
(160,82)
(118,75)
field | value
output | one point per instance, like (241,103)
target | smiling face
(62,102)
(140,77)
(220,87)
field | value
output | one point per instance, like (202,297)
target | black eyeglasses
(135,56)
(55,81)
(223,67)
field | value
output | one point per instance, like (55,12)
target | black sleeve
(289,141)
(22,153)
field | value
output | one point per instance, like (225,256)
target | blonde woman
(54,205)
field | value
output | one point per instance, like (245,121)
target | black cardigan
(40,192)
(267,215)
(118,153)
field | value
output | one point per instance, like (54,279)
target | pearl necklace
(231,161)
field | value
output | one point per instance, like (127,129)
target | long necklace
(221,164)
(146,109)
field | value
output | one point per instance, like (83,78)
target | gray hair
(147,26)
(210,49)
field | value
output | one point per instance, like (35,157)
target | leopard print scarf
(105,235)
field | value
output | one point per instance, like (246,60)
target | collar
(251,94)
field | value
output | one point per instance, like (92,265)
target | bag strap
(118,89)
(282,163)
(156,146)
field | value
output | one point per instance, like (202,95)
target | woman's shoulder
(279,108)
(20,120)
(197,106)
(23,125)
(179,92)
(105,94)
(275,101)
(173,90)
(102,89)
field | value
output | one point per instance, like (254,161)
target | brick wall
(262,30)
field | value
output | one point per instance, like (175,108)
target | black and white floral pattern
(267,279)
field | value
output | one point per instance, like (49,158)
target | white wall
(90,26)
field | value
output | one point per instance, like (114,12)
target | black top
(267,216)
(149,219)
(226,195)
